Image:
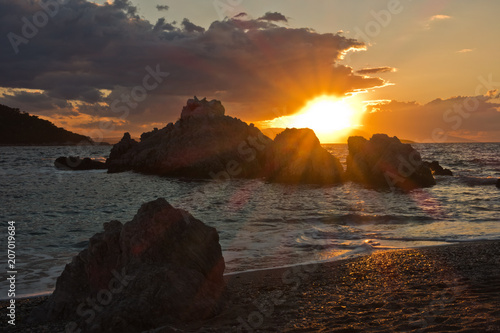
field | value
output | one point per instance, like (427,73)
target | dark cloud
(440,120)
(162,25)
(191,27)
(375,70)
(38,101)
(276,17)
(162,7)
(253,66)
(240,15)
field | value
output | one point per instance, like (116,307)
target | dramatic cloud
(375,70)
(160,7)
(105,61)
(453,119)
(276,17)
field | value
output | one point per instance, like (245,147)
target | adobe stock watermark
(293,277)
(31,28)
(454,117)
(126,102)
(88,310)
(226,8)
(381,19)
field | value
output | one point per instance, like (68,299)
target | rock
(196,108)
(204,143)
(438,169)
(162,267)
(498,183)
(116,161)
(77,163)
(384,162)
(299,158)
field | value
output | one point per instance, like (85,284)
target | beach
(452,288)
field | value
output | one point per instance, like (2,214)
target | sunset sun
(324,115)
(331,118)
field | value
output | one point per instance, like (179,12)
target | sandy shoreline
(453,288)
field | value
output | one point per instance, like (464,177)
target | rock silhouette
(20,128)
(437,169)
(162,267)
(299,158)
(77,163)
(205,143)
(385,162)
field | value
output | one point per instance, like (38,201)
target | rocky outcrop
(299,158)
(204,143)
(77,163)
(200,109)
(385,162)
(437,169)
(117,162)
(162,267)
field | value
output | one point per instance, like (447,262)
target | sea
(261,225)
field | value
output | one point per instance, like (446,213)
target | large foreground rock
(299,158)
(385,162)
(162,267)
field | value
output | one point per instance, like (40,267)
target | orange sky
(422,70)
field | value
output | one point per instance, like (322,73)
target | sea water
(261,225)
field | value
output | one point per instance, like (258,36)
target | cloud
(375,70)
(275,17)
(162,7)
(191,27)
(436,18)
(439,17)
(465,50)
(254,66)
(467,117)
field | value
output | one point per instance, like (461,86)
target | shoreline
(340,258)
(439,288)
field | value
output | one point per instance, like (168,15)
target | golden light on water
(329,117)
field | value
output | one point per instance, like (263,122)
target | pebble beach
(453,288)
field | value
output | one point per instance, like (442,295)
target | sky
(426,71)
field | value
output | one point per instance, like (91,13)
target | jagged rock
(116,161)
(299,158)
(203,108)
(198,147)
(162,267)
(437,169)
(385,162)
(204,143)
(77,163)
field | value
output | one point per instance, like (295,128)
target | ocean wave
(477,181)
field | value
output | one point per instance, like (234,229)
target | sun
(333,119)
(324,115)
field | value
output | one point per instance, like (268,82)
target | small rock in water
(78,164)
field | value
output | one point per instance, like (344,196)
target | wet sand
(453,288)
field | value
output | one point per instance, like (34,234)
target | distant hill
(21,128)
